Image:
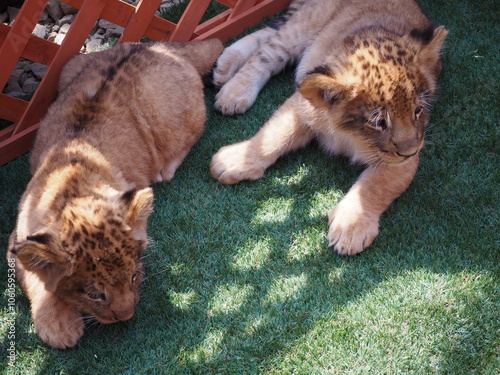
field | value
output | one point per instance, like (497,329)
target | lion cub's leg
(354,221)
(234,56)
(57,323)
(170,167)
(240,92)
(249,159)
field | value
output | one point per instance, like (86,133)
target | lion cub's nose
(124,314)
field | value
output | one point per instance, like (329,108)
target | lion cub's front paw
(232,164)
(236,97)
(59,325)
(351,229)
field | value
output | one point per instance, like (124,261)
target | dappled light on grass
(229,298)
(182,301)
(416,312)
(252,256)
(285,288)
(240,279)
(274,210)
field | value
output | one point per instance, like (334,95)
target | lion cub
(124,118)
(367,73)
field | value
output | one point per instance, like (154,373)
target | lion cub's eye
(380,124)
(97,296)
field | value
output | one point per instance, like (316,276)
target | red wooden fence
(17,41)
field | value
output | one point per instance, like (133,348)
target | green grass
(240,279)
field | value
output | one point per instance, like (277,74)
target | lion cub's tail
(202,54)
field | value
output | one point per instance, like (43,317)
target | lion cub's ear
(430,53)
(138,206)
(324,91)
(40,254)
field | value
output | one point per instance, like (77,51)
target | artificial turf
(240,278)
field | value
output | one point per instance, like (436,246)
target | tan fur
(367,71)
(124,118)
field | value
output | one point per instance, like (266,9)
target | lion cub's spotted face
(381,91)
(106,276)
(93,259)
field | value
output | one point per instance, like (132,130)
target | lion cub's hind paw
(227,65)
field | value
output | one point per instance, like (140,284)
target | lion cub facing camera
(124,118)
(367,73)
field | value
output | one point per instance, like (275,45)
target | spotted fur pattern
(124,118)
(366,74)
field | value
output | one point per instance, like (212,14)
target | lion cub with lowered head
(367,72)
(124,118)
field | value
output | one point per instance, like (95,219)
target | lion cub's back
(138,104)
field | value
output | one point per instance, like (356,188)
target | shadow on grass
(240,279)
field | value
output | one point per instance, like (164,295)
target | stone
(40,31)
(30,85)
(52,36)
(94,45)
(16,75)
(103,24)
(23,64)
(24,77)
(65,20)
(54,10)
(114,32)
(13,12)
(68,9)
(12,87)
(38,70)
(64,28)
(44,17)
(4,17)
(59,38)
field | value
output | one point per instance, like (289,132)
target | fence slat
(71,45)
(18,36)
(16,41)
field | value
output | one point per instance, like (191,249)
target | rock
(52,36)
(68,9)
(23,64)
(38,70)
(13,12)
(59,38)
(40,31)
(64,28)
(114,32)
(4,17)
(24,77)
(30,85)
(65,20)
(16,74)
(103,24)
(44,16)
(94,45)
(12,87)
(54,10)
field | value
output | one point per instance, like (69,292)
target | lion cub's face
(92,257)
(380,92)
